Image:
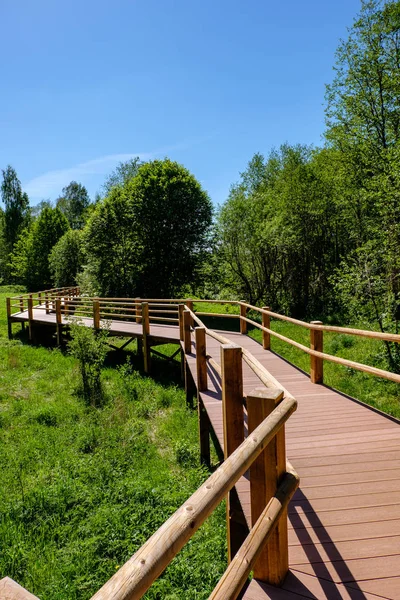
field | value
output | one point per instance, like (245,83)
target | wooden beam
(96,314)
(232,581)
(187,341)
(233,419)
(316,363)
(11,590)
(266,322)
(58,321)
(146,341)
(265,475)
(9,325)
(201,358)
(30,317)
(138,311)
(181,308)
(243,313)
(204,433)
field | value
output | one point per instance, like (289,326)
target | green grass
(377,392)
(82,488)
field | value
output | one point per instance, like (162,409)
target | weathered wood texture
(11,590)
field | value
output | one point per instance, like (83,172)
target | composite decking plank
(342,533)
(299,585)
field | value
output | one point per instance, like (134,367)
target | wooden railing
(67,302)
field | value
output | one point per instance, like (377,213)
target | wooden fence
(68,302)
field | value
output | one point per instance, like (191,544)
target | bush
(66,258)
(90,349)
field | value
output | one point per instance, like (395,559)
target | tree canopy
(148,237)
(74,203)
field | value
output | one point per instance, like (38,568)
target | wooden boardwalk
(344,521)
(158,332)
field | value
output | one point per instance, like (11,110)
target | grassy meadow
(81,489)
(377,392)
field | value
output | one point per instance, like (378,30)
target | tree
(66,258)
(74,203)
(30,259)
(363,101)
(282,232)
(122,174)
(363,118)
(16,215)
(149,236)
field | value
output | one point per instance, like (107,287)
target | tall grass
(82,487)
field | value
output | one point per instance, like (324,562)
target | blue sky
(85,84)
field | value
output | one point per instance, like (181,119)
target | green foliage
(122,174)
(282,232)
(30,259)
(148,237)
(14,219)
(16,203)
(74,204)
(83,489)
(66,258)
(90,349)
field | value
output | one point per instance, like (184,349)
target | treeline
(313,232)
(316,232)
(147,235)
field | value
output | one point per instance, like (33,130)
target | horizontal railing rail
(74,304)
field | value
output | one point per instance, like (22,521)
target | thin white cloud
(51,183)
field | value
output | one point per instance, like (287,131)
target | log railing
(161,310)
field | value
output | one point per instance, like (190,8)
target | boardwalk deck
(344,521)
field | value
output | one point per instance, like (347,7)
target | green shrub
(90,349)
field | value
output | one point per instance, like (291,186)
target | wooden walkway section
(159,333)
(344,520)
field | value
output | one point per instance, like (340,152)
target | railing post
(39,298)
(233,419)
(189,304)
(243,313)
(187,341)
(46,303)
(96,314)
(201,358)
(138,311)
(181,308)
(58,321)
(201,369)
(266,322)
(187,348)
(146,333)
(316,363)
(30,316)
(21,304)
(265,475)
(9,325)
